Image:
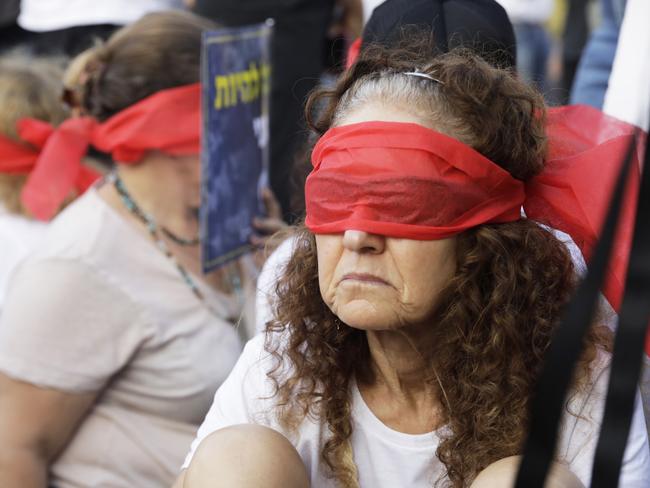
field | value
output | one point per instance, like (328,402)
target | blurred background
(551,34)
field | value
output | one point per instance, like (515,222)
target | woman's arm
(35,425)
(68,329)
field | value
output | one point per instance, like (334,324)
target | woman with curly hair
(413,317)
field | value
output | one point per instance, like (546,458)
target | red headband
(406,181)
(168,121)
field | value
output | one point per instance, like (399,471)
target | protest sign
(236,77)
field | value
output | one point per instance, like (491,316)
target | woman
(26,90)
(413,316)
(482,26)
(112,343)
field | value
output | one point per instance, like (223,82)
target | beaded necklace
(154,230)
(148,219)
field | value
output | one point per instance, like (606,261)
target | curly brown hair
(495,318)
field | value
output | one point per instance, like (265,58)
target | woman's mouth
(365,278)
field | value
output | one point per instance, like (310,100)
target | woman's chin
(368,318)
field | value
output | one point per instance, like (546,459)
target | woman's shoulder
(267,280)
(90,231)
(249,395)
(78,229)
(245,396)
(259,358)
(59,311)
(255,355)
(586,399)
(252,385)
(279,258)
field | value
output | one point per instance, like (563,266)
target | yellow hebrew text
(242,86)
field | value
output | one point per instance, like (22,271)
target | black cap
(480,25)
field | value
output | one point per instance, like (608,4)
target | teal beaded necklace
(154,231)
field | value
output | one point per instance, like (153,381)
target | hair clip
(422,75)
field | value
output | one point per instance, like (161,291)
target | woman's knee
(502,473)
(245,456)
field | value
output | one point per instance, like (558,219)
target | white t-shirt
(99,308)
(18,237)
(271,272)
(49,15)
(386,458)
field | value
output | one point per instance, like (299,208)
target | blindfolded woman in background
(112,342)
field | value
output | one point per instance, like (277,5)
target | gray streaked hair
(423,98)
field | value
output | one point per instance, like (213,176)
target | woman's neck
(160,193)
(401,395)
(396,362)
(168,190)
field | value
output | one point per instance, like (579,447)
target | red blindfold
(406,181)
(168,121)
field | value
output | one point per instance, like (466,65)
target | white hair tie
(422,75)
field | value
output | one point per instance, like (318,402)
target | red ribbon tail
(587,149)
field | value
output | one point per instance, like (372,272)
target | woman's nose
(363,242)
